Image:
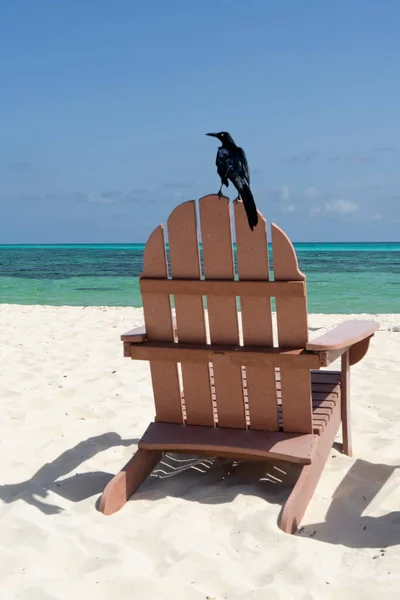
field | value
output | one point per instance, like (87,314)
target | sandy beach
(72,410)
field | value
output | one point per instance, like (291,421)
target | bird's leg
(236,199)
(220,190)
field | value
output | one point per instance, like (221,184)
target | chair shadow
(219,481)
(75,488)
(211,480)
(345,522)
(183,475)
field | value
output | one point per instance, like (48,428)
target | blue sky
(104,106)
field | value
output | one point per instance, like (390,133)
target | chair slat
(222,311)
(159,326)
(296,400)
(252,255)
(185,263)
(291,314)
(257,289)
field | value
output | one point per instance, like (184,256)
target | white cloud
(344,207)
(311,191)
(315,211)
(100,198)
(289,208)
(285,193)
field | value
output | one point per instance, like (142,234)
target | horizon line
(144,243)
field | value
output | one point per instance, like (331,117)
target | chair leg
(296,505)
(121,487)
(345,404)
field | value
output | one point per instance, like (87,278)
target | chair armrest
(135,336)
(138,334)
(343,336)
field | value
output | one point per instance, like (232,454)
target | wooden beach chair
(252,392)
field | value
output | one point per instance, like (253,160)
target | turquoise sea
(341,278)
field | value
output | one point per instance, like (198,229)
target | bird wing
(224,164)
(244,164)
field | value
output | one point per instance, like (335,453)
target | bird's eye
(222,134)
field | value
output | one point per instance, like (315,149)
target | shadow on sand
(219,481)
(223,479)
(75,488)
(345,522)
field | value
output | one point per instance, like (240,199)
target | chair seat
(238,443)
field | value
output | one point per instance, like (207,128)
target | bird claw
(236,200)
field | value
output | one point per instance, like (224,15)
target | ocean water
(341,278)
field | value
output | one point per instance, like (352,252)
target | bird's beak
(212,134)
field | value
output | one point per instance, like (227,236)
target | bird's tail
(249,205)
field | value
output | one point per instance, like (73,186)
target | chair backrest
(223,393)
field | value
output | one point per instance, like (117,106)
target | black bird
(232,165)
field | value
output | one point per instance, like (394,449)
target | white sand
(72,409)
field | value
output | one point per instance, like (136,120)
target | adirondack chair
(254,392)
